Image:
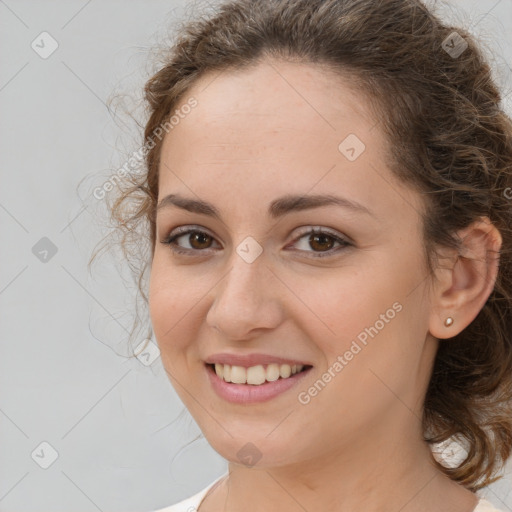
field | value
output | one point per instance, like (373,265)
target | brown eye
(189,241)
(200,240)
(321,242)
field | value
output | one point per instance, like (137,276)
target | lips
(250,369)
(245,394)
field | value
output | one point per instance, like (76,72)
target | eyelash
(182,231)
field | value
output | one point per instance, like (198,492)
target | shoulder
(192,503)
(486,506)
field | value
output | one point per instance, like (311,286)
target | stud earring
(448,321)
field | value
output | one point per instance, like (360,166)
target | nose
(246,300)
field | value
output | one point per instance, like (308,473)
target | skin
(256,135)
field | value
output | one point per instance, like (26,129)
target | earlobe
(463,287)
(449,321)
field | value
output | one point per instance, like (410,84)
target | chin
(258,452)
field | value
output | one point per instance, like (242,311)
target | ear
(465,283)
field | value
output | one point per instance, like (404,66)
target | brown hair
(449,139)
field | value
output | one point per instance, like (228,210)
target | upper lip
(248,360)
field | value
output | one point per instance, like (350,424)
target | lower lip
(248,393)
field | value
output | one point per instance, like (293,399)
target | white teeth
(285,371)
(272,372)
(256,375)
(238,375)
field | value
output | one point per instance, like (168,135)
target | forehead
(275,128)
(278,97)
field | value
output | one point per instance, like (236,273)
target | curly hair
(450,139)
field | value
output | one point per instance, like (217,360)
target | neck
(389,472)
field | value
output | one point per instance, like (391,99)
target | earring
(448,321)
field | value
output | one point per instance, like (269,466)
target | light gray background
(122,440)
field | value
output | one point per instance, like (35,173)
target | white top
(192,504)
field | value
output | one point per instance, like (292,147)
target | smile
(256,383)
(256,375)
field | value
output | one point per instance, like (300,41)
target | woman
(328,202)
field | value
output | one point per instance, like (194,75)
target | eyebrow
(277,208)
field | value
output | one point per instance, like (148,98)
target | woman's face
(350,302)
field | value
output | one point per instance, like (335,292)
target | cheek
(341,305)
(376,343)
(171,305)
(361,315)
